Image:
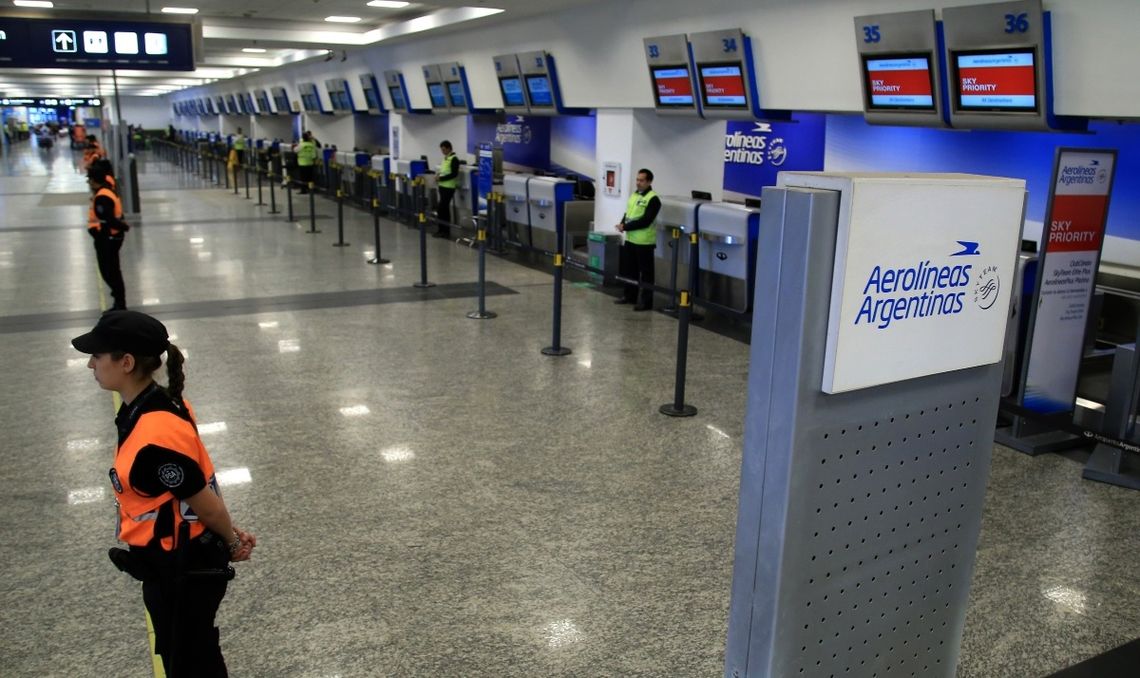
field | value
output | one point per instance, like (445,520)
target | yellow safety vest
(634,210)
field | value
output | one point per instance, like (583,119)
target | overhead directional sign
(103,45)
(63,41)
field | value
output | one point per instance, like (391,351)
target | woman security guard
(106,226)
(170,511)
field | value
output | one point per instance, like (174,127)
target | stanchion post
(257,171)
(340,220)
(272,190)
(671,309)
(376,232)
(312,209)
(245,173)
(678,408)
(289,196)
(417,188)
(556,348)
(236,187)
(482,313)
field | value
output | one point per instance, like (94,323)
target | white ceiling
(290,30)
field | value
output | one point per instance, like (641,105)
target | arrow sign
(63,41)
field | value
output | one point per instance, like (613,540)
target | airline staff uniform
(448,181)
(105,224)
(159,463)
(306,160)
(636,259)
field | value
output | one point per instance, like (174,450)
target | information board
(83,44)
(1070,256)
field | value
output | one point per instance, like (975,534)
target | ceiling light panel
(389,4)
(179,10)
(41,4)
(342,19)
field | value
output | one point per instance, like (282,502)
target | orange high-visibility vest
(93,223)
(138,513)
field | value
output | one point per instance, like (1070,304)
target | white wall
(150,112)
(422,134)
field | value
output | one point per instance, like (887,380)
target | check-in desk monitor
(1000,72)
(310,97)
(371,90)
(455,86)
(671,75)
(339,95)
(511,85)
(437,91)
(397,92)
(263,103)
(726,76)
(901,67)
(281,100)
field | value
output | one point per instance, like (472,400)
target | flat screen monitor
(457,95)
(512,91)
(673,87)
(397,94)
(538,87)
(722,85)
(435,92)
(372,99)
(995,81)
(899,83)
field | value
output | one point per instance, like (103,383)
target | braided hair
(175,377)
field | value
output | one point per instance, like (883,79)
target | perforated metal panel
(859,512)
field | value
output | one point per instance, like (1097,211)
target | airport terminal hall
(569,338)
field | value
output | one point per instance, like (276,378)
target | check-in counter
(727,254)
(466,205)
(342,171)
(517,202)
(406,172)
(676,213)
(547,197)
(380,166)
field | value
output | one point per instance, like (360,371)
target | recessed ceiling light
(253,50)
(179,10)
(389,4)
(342,19)
(43,4)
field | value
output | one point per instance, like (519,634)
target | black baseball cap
(127,331)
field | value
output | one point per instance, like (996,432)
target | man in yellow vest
(448,180)
(306,159)
(239,146)
(639,223)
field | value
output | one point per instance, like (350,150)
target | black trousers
(182,610)
(305,175)
(443,211)
(107,256)
(636,263)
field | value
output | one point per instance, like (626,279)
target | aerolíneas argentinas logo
(897,294)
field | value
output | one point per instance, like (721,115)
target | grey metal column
(859,512)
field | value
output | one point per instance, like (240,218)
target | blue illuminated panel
(458,97)
(538,87)
(512,91)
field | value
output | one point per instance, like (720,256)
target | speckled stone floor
(431,494)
